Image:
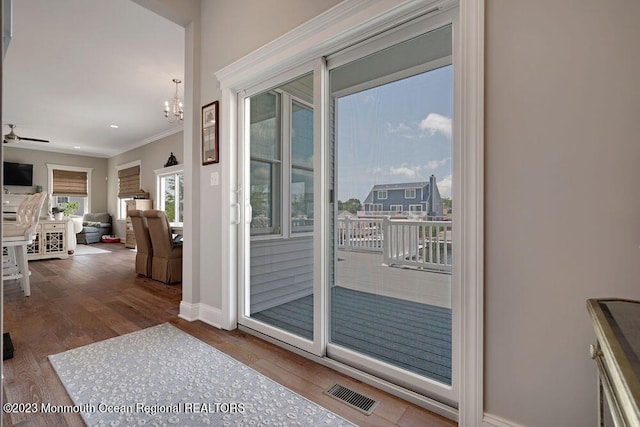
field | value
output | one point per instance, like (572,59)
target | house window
(382,194)
(301,167)
(415,208)
(266,163)
(122,207)
(281,161)
(375,207)
(70,184)
(170,185)
(396,208)
(128,186)
(410,193)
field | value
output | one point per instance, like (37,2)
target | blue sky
(395,133)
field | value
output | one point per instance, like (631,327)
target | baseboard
(495,421)
(211,315)
(202,312)
(188,311)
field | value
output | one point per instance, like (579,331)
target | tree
(170,206)
(352,205)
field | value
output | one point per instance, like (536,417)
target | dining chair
(166,265)
(17,235)
(144,248)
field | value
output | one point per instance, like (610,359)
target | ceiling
(76,67)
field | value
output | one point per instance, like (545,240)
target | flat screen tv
(18,174)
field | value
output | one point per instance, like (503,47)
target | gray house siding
(281,271)
(427,196)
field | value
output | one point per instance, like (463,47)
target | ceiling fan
(12,137)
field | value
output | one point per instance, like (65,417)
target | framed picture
(210,153)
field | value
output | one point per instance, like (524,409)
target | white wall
(562,206)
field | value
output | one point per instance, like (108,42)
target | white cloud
(436,123)
(402,170)
(399,128)
(445,187)
(435,164)
(403,129)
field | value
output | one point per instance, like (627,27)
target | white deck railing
(356,234)
(423,244)
(404,243)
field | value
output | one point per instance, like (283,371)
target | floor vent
(354,399)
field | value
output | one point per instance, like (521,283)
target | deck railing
(356,234)
(404,243)
(423,244)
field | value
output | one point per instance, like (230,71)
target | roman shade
(69,183)
(129,182)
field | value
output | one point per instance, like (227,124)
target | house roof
(400,186)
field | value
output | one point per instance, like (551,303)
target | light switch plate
(214,178)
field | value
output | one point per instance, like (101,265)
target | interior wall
(39,159)
(231,30)
(562,207)
(153,156)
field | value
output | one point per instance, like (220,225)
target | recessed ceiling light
(113,126)
(77,147)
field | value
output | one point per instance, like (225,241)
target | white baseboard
(203,312)
(189,311)
(495,421)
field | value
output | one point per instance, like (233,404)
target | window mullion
(176,197)
(286,164)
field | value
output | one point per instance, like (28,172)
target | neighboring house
(415,198)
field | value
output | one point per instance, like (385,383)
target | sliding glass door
(390,299)
(346,176)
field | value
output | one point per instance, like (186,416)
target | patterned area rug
(163,376)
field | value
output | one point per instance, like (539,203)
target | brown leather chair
(143,242)
(167,256)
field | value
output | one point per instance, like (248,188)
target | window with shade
(69,187)
(128,187)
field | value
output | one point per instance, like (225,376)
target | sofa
(94,226)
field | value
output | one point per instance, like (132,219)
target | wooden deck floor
(365,271)
(406,334)
(89,298)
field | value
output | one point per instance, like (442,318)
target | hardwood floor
(89,298)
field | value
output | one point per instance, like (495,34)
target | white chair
(16,235)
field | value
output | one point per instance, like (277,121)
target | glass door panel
(391,289)
(279,299)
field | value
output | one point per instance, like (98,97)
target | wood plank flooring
(89,298)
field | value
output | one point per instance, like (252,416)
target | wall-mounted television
(18,174)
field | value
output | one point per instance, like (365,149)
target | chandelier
(174,112)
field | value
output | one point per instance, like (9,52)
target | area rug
(163,376)
(89,250)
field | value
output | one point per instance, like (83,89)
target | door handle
(250,214)
(236,220)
